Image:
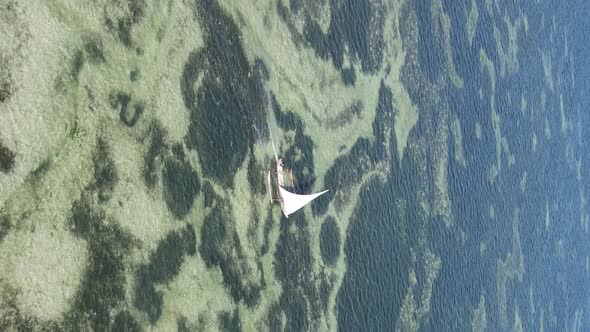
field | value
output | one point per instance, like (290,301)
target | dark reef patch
(94,49)
(165,262)
(77,64)
(7,158)
(348,76)
(299,155)
(178,151)
(5,90)
(330,241)
(348,169)
(209,194)
(230,322)
(163,266)
(274,320)
(103,285)
(156,151)
(222,109)
(300,301)
(130,115)
(134,75)
(285,120)
(261,68)
(12,319)
(378,256)
(190,74)
(5,226)
(124,31)
(256,175)
(124,322)
(383,127)
(346,116)
(6,82)
(183,325)
(268,223)
(181,185)
(119,100)
(105,173)
(297,311)
(356,26)
(136,9)
(122,27)
(213,235)
(220,246)
(39,172)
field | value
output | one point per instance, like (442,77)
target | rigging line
(274,149)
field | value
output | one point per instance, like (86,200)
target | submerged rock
(7,158)
(163,266)
(181,185)
(223,106)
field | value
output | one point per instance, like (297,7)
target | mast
(274,149)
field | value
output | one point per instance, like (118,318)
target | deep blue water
(379,238)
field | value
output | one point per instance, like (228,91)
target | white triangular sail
(291,202)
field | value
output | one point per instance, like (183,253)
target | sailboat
(290,202)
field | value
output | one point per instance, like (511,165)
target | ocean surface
(135,137)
